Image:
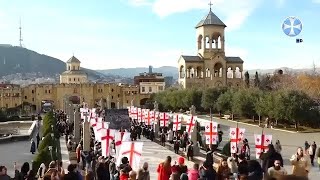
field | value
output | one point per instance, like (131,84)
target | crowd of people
(91,165)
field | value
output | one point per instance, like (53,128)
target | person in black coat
(151,134)
(242,165)
(207,171)
(33,147)
(269,158)
(72,175)
(255,170)
(38,139)
(102,173)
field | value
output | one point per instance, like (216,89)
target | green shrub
(226,149)
(43,156)
(47,141)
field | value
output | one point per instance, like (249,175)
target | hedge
(44,155)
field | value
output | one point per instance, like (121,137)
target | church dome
(210,19)
(73,60)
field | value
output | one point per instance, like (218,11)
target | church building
(210,67)
(73,73)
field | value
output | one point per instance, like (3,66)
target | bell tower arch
(210,35)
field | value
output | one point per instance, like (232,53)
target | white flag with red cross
(94,121)
(211,132)
(164,119)
(100,126)
(149,117)
(129,110)
(141,113)
(84,112)
(156,116)
(261,143)
(92,113)
(236,136)
(134,112)
(107,136)
(177,118)
(133,151)
(119,138)
(191,122)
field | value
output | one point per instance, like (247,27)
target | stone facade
(74,87)
(210,67)
(91,93)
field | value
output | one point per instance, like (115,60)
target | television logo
(292,26)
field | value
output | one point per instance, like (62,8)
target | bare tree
(314,69)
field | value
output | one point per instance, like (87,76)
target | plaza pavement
(154,154)
(290,141)
(16,151)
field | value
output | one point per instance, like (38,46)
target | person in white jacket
(300,163)
(41,170)
(170,136)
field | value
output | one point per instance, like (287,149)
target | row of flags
(124,147)
(211,131)
(133,150)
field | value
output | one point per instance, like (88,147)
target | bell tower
(210,35)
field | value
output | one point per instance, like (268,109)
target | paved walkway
(64,153)
(154,154)
(289,141)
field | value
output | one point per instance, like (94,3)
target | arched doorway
(113,105)
(143,101)
(74,99)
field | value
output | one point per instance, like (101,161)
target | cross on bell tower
(210,4)
(210,35)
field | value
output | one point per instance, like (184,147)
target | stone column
(233,74)
(156,125)
(70,113)
(102,103)
(118,104)
(222,43)
(76,118)
(108,102)
(194,133)
(86,134)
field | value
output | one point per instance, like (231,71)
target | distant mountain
(173,71)
(21,60)
(131,72)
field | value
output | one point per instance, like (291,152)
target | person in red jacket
(123,175)
(164,169)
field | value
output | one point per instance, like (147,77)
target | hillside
(20,60)
(131,72)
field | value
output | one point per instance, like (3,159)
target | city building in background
(150,82)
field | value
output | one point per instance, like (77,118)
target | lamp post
(50,149)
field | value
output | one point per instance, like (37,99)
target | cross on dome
(210,4)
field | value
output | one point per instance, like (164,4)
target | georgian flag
(261,143)
(177,118)
(133,151)
(236,136)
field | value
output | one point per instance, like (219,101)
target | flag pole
(210,130)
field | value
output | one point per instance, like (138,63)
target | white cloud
(232,12)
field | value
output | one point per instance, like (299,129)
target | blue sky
(106,34)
